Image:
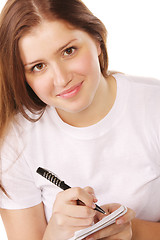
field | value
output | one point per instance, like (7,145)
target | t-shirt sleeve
(17,179)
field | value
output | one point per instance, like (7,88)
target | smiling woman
(62,109)
(58,65)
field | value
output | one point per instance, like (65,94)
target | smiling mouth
(71,92)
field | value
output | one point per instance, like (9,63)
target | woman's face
(61,65)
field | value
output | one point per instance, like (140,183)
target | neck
(98,109)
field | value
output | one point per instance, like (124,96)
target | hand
(69,217)
(120,230)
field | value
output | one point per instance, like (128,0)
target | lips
(72,91)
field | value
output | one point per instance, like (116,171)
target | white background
(133,38)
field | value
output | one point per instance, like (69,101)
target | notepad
(106,221)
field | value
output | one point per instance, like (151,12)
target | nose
(61,75)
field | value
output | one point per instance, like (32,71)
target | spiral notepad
(106,221)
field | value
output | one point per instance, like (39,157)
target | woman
(84,124)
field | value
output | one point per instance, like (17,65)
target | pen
(54,179)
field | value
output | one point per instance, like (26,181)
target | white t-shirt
(119,156)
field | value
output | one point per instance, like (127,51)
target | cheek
(87,64)
(40,86)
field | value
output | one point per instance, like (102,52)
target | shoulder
(12,144)
(139,81)
(147,83)
(18,133)
(146,90)
(143,96)
(17,128)
(23,132)
(143,101)
(141,86)
(20,126)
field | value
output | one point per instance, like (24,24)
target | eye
(69,51)
(39,67)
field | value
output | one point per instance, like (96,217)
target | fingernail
(93,206)
(94,198)
(119,221)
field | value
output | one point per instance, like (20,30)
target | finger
(90,190)
(126,234)
(112,207)
(113,230)
(126,217)
(108,208)
(64,225)
(77,211)
(64,203)
(77,193)
(64,220)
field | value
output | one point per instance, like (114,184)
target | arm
(145,230)
(29,223)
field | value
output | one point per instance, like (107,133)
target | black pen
(54,179)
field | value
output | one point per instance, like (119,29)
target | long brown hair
(17,18)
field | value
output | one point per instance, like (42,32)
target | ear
(98,47)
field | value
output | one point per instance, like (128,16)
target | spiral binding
(51,177)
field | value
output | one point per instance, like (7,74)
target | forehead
(49,32)
(47,38)
(50,25)
(48,29)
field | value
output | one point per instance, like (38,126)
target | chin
(77,107)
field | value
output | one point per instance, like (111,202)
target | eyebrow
(58,50)
(64,46)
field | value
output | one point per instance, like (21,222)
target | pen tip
(99,209)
